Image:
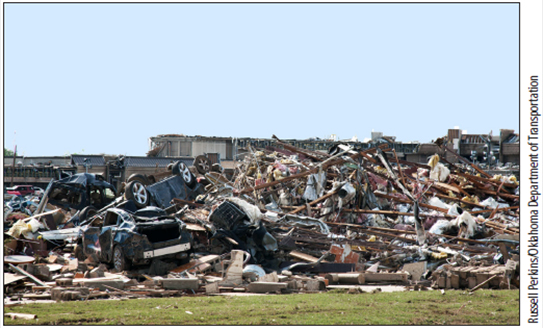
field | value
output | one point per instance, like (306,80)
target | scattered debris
(288,220)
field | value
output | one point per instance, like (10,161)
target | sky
(103,78)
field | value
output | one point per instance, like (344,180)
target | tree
(8,153)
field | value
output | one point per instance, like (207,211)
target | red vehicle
(23,190)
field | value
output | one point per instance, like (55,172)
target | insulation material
(492,203)
(434,201)
(439,173)
(18,229)
(455,210)
(466,223)
(440,227)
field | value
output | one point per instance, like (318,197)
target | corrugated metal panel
(153,161)
(203,147)
(95,160)
(472,139)
(513,138)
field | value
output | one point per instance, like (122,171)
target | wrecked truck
(125,239)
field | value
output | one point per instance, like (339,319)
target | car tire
(120,263)
(202,164)
(182,170)
(138,177)
(136,192)
(87,212)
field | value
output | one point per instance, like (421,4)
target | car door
(109,229)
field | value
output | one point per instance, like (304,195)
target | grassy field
(484,307)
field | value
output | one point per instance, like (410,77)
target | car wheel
(87,212)
(120,262)
(181,169)
(136,192)
(202,164)
(138,177)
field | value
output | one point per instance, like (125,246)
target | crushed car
(124,239)
(80,191)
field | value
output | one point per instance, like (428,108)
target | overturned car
(124,238)
(180,183)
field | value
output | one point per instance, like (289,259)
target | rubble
(289,220)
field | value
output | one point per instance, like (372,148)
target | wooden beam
(401,200)
(478,169)
(23,272)
(316,201)
(482,284)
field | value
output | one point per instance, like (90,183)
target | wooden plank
(482,283)
(448,187)
(195,227)
(40,215)
(35,296)
(24,316)
(316,201)
(304,257)
(385,277)
(23,272)
(345,278)
(12,277)
(209,258)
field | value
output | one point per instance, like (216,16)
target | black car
(79,191)
(180,184)
(125,238)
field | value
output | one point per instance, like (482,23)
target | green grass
(484,307)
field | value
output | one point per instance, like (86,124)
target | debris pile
(288,220)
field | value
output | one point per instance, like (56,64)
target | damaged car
(80,191)
(238,225)
(124,239)
(180,184)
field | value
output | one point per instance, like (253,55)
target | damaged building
(283,219)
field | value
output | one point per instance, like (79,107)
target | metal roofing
(153,161)
(473,139)
(513,138)
(95,160)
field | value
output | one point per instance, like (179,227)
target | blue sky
(103,78)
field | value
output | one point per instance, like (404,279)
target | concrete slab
(370,288)
(265,287)
(180,283)
(102,285)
